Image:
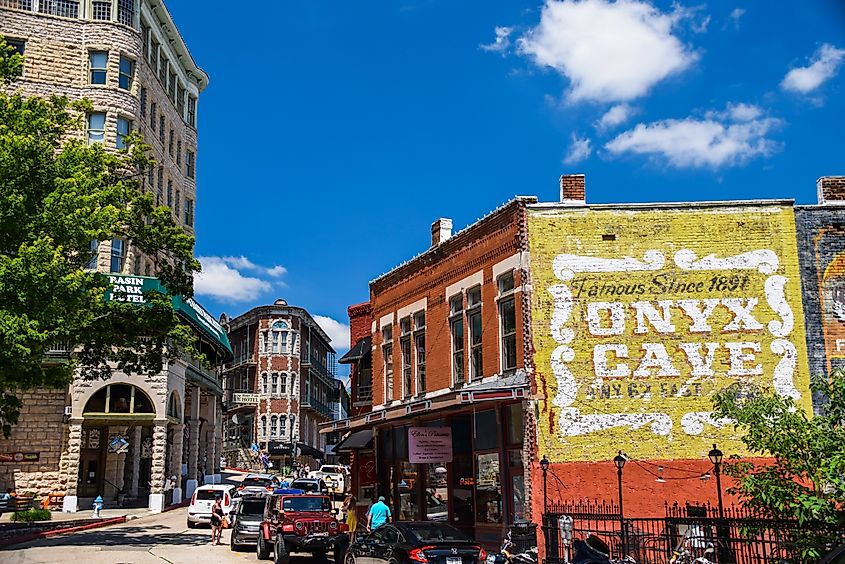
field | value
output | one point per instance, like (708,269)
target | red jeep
(296,522)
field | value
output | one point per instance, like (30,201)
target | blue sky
(333,133)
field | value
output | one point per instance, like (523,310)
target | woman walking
(216,521)
(349,506)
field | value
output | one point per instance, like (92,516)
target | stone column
(211,440)
(176,462)
(193,441)
(135,453)
(218,438)
(157,472)
(70,466)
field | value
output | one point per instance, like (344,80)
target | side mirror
(334,511)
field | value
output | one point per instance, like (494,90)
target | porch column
(157,470)
(212,460)
(70,466)
(176,462)
(193,441)
(135,454)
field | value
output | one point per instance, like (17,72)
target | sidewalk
(133,513)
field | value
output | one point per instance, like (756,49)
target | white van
(199,511)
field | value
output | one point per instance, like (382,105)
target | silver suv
(246,520)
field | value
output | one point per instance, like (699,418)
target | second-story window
(387,353)
(274,389)
(127,71)
(96,130)
(507,322)
(419,350)
(274,425)
(456,326)
(118,255)
(476,366)
(265,386)
(405,349)
(101,10)
(124,127)
(98,62)
(263,426)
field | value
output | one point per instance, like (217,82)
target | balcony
(204,377)
(318,406)
(364,395)
(240,361)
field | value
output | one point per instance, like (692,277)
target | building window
(62,8)
(127,71)
(101,10)
(160,185)
(118,255)
(282,426)
(419,350)
(274,384)
(93,249)
(179,153)
(265,388)
(98,63)
(405,349)
(96,127)
(171,85)
(136,270)
(456,325)
(154,55)
(153,111)
(162,70)
(170,141)
(169,199)
(151,178)
(192,111)
(474,323)
(262,342)
(189,221)
(161,129)
(126,12)
(180,100)
(18,45)
(190,166)
(283,380)
(263,425)
(507,322)
(387,353)
(124,127)
(178,209)
(143,102)
(145,37)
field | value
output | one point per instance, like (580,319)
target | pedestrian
(8,494)
(378,515)
(216,521)
(349,509)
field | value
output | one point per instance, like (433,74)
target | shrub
(32,515)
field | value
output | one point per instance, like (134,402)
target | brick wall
(360,322)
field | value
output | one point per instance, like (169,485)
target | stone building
(124,437)
(279,387)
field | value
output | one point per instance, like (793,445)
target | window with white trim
(405,350)
(274,426)
(507,322)
(387,353)
(124,127)
(419,350)
(263,426)
(96,127)
(127,72)
(456,329)
(265,388)
(476,366)
(274,389)
(118,255)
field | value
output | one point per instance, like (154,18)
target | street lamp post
(715,457)
(619,461)
(544,465)
(291,418)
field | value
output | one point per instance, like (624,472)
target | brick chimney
(441,230)
(572,188)
(831,189)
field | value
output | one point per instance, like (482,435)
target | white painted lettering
(655,357)
(662,322)
(692,309)
(594,318)
(742,314)
(738,358)
(600,361)
(700,366)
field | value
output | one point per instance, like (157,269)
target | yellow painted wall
(614,289)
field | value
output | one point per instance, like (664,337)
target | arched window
(274,426)
(283,382)
(263,425)
(173,407)
(282,426)
(264,388)
(119,400)
(275,389)
(280,325)
(279,337)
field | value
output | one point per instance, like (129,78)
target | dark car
(246,520)
(414,542)
(257,484)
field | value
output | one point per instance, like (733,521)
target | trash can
(523,536)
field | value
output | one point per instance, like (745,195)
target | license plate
(326,534)
(453,560)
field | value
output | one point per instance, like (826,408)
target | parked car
(257,484)
(334,476)
(412,542)
(298,522)
(311,485)
(199,510)
(245,520)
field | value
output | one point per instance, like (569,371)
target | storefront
(478,486)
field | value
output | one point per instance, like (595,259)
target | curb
(183,503)
(47,534)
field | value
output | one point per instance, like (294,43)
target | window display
(488,489)
(408,503)
(437,492)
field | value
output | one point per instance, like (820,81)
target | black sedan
(415,542)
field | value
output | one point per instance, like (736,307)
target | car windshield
(260,482)
(306,486)
(431,532)
(332,469)
(251,507)
(306,504)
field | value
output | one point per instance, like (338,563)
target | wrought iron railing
(365,392)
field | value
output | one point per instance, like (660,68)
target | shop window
(387,444)
(436,492)
(517,480)
(400,438)
(97,402)
(515,429)
(463,488)
(461,434)
(486,430)
(488,488)
(406,487)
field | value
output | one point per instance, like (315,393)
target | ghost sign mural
(639,316)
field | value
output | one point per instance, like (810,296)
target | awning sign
(429,444)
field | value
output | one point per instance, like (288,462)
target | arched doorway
(116,446)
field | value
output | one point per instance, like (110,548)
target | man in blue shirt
(378,515)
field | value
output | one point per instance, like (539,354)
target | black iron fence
(684,533)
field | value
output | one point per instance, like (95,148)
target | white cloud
(735,16)
(243,263)
(618,114)
(726,138)
(338,332)
(579,150)
(502,41)
(609,51)
(221,279)
(824,65)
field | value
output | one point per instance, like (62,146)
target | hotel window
(169,194)
(96,127)
(118,255)
(171,85)
(127,70)
(419,350)
(192,111)
(136,269)
(263,425)
(98,63)
(63,8)
(387,353)
(274,389)
(180,100)
(190,166)
(474,322)
(507,322)
(265,388)
(101,10)
(154,56)
(456,325)
(153,108)
(178,205)
(93,249)
(145,37)
(126,12)
(283,380)
(405,349)
(124,126)
(162,69)
(143,102)
(179,152)
(282,426)
(161,129)
(189,221)
(170,140)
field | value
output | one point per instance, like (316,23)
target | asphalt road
(158,539)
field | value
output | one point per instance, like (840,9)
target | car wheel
(262,551)
(282,556)
(340,549)
(191,524)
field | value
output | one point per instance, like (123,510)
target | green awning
(132,288)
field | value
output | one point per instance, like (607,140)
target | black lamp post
(715,456)
(291,418)
(619,461)
(544,465)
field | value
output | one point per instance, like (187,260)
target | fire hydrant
(98,505)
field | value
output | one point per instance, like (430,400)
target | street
(152,539)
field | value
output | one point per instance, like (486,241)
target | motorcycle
(510,554)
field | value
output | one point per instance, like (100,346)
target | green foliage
(32,515)
(57,194)
(805,481)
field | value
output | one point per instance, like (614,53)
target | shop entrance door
(91,467)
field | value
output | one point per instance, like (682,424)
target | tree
(805,481)
(57,195)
